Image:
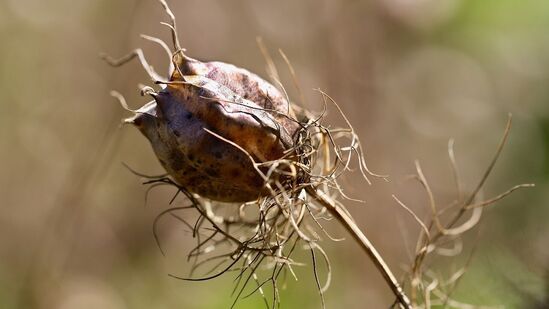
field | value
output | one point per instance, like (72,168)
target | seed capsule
(211,122)
(203,163)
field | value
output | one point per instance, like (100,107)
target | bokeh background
(74,228)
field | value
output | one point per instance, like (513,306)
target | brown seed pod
(180,126)
(252,118)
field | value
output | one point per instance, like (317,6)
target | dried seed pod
(211,122)
(200,161)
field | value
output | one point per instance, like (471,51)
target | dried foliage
(441,234)
(256,241)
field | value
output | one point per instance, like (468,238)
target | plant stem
(364,242)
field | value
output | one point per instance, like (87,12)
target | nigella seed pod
(178,126)
(212,122)
(227,114)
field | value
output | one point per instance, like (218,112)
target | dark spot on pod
(202,92)
(191,157)
(212,172)
(256,181)
(235,173)
(189,116)
(218,155)
(203,189)
(177,163)
(176,133)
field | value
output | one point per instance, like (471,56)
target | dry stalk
(443,228)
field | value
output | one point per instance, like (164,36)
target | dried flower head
(262,174)
(225,134)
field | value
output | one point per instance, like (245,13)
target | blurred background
(410,75)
